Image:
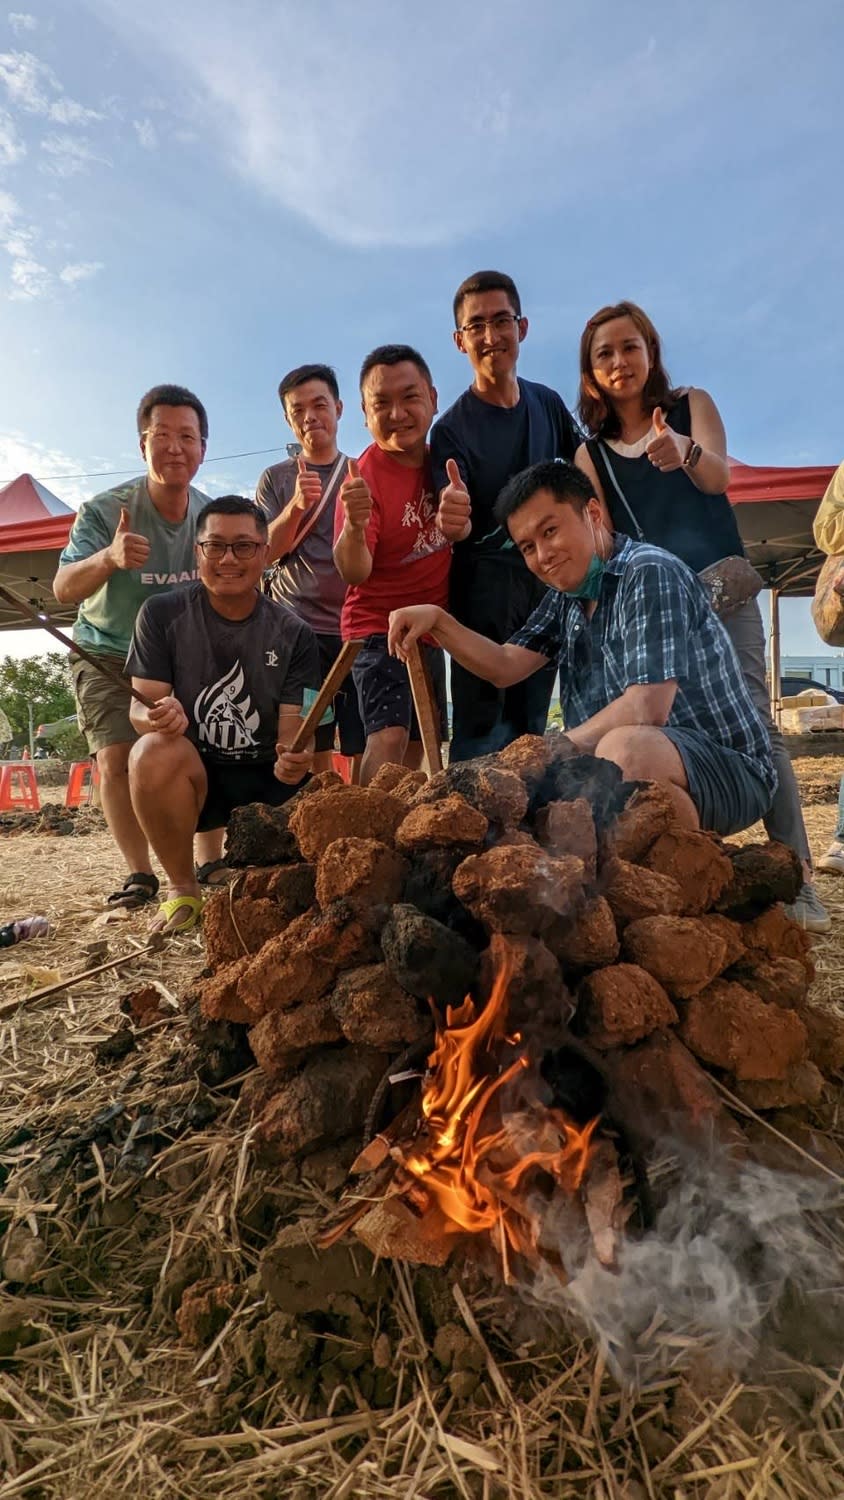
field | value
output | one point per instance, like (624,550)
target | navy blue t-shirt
(492,443)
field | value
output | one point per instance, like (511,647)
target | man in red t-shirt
(393,547)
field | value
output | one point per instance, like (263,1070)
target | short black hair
(486,281)
(232,505)
(568,484)
(394,354)
(171,395)
(297,377)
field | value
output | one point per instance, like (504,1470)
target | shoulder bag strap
(309,522)
(601,460)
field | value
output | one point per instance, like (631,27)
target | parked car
(46,733)
(791,686)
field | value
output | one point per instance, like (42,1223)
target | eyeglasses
(215,550)
(477,327)
(161,435)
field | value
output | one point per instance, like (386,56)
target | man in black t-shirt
(498,427)
(228,671)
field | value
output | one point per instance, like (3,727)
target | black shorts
(347,720)
(726,791)
(231,786)
(383,687)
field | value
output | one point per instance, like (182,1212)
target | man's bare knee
(624,747)
(160,757)
(113,760)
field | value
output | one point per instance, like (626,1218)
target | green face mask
(590,586)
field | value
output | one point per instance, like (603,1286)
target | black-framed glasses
(477,327)
(215,550)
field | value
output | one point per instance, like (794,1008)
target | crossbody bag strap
(606,472)
(332,485)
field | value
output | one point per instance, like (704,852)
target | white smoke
(731,1243)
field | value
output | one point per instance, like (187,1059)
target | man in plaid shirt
(649,678)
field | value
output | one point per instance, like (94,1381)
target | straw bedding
(102,1393)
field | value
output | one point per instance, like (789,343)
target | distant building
(828,670)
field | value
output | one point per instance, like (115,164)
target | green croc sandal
(169,910)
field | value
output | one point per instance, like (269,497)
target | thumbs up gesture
(667,448)
(128,549)
(455,510)
(308,491)
(356,499)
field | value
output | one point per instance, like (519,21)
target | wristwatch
(692,456)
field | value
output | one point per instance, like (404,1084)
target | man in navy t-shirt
(499,426)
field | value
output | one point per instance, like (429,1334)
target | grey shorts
(728,795)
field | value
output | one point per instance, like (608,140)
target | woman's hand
(669,449)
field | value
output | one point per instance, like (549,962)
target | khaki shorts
(102,706)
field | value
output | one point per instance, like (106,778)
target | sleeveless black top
(667,509)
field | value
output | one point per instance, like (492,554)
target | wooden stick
(335,679)
(93,661)
(10,1006)
(426,708)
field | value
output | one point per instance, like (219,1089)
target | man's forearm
(641,704)
(282,532)
(79,580)
(500,665)
(352,557)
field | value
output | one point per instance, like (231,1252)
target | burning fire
(480,1164)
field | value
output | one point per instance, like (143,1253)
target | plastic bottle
(22,931)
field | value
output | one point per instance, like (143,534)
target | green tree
(43,681)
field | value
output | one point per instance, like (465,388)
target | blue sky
(211,194)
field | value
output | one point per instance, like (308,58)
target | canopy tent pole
(776,673)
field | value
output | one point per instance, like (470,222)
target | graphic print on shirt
(422,513)
(225,719)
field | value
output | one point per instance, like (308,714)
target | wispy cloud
(12,147)
(68,155)
(29,278)
(21,455)
(389,134)
(21,22)
(146,133)
(82,270)
(32,86)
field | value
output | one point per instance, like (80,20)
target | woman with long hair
(657,457)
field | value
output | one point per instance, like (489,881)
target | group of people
(505,533)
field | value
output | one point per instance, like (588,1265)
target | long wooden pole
(335,679)
(426,708)
(9,1007)
(93,661)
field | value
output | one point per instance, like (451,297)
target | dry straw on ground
(102,1398)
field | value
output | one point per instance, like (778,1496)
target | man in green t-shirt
(126,545)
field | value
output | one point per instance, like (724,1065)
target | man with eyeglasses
(499,426)
(126,545)
(228,671)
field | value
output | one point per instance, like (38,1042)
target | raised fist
(356,499)
(128,549)
(455,510)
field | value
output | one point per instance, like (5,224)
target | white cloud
(22,455)
(21,22)
(411,127)
(30,280)
(33,87)
(81,270)
(12,147)
(68,155)
(146,133)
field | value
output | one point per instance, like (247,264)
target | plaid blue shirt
(653,623)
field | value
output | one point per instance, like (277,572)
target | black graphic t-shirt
(230,676)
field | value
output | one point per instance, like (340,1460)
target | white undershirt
(631,450)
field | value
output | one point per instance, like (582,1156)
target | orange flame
(478,1165)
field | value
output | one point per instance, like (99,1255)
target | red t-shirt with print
(410,555)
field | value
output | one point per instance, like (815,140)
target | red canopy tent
(775,509)
(34,526)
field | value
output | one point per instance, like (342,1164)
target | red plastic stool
(18,787)
(83,776)
(343,766)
